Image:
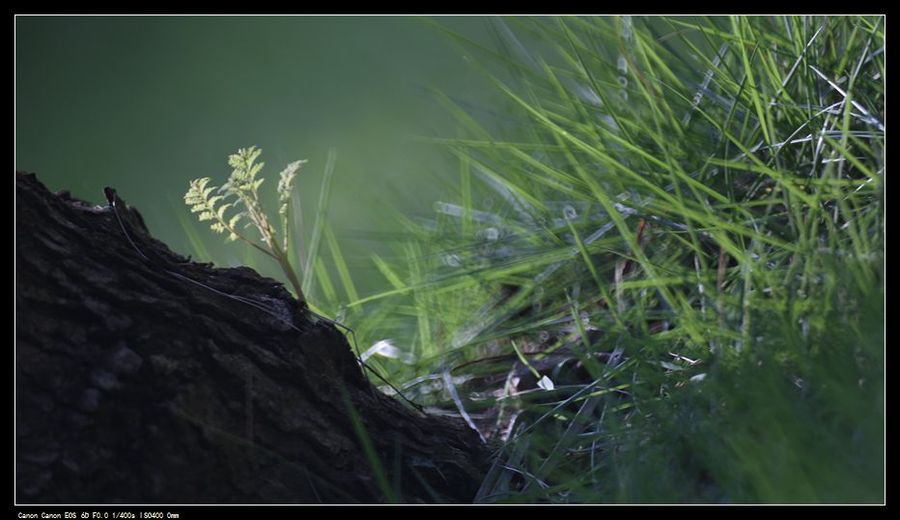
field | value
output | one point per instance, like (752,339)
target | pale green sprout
(241,192)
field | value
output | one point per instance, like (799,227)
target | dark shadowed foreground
(135,385)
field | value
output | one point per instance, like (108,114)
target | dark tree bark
(136,386)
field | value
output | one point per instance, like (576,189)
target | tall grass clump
(660,276)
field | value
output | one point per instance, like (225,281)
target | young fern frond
(241,189)
(285,187)
(243,185)
(209,207)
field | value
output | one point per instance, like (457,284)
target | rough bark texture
(136,386)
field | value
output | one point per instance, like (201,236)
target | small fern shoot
(239,194)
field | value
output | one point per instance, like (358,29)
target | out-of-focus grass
(684,233)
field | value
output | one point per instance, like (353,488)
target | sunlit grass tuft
(683,230)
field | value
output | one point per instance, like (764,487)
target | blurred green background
(145,104)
